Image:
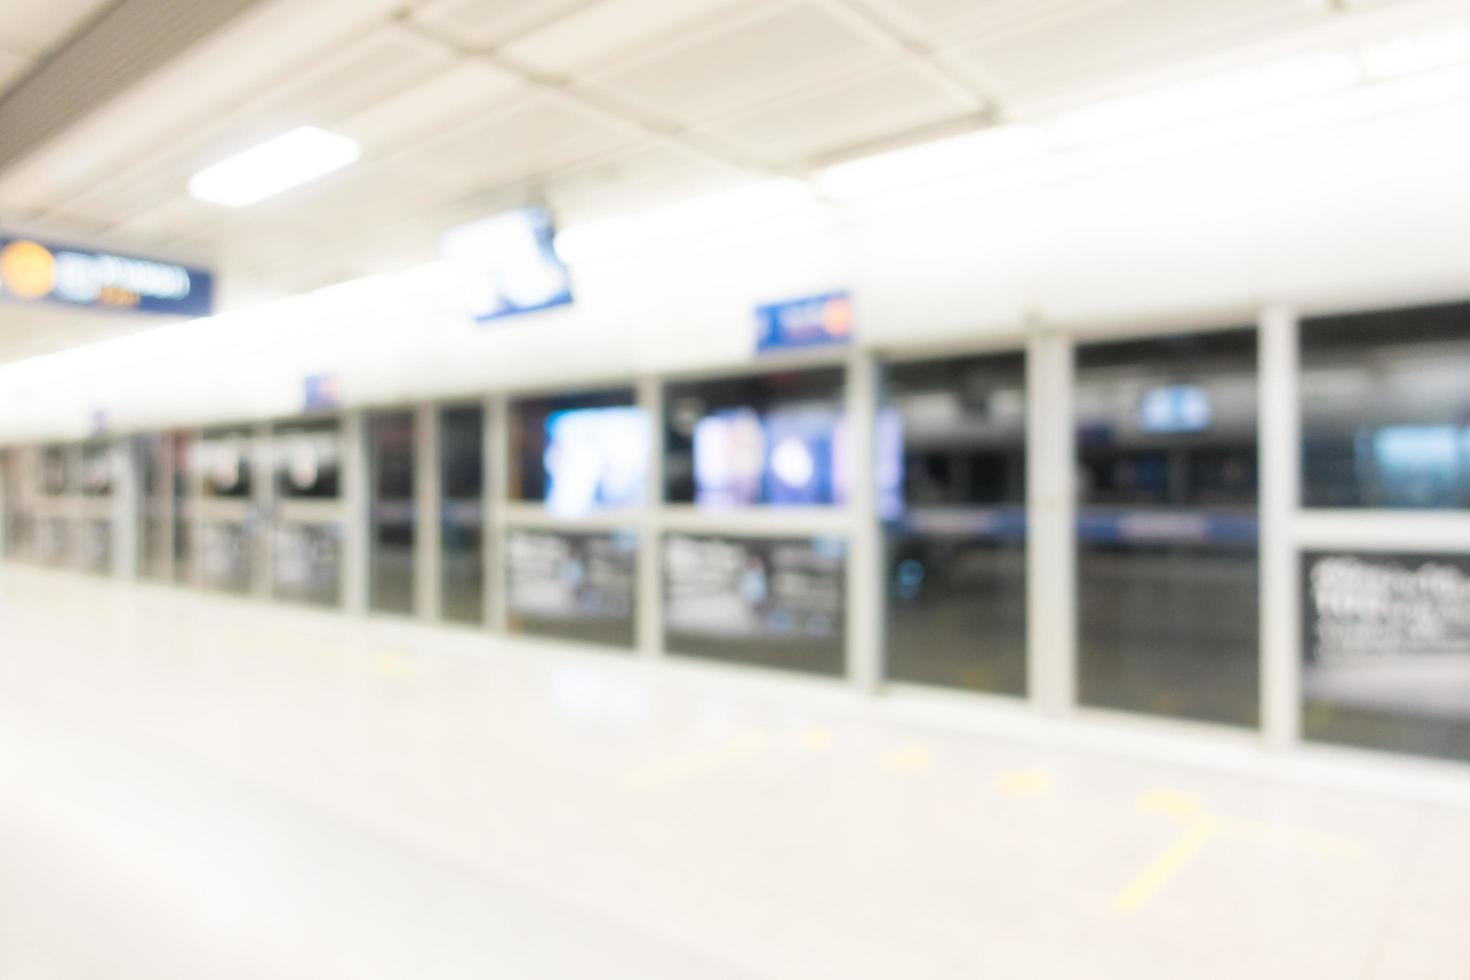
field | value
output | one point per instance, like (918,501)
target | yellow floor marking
(1022,783)
(695,762)
(817,739)
(912,759)
(1163,869)
(1171,803)
(1320,842)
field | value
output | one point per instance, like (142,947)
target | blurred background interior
(885,482)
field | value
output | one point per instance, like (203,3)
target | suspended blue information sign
(812,321)
(32,270)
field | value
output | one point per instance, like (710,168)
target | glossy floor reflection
(199,786)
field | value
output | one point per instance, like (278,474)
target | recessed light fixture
(278,164)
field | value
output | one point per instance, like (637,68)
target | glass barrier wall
(761,439)
(951,471)
(1385,413)
(573,585)
(580,453)
(462,516)
(391,485)
(759,601)
(1168,619)
(227,520)
(1386,409)
(306,534)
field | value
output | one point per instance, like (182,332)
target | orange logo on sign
(28,270)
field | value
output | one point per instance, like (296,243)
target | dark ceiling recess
(113,52)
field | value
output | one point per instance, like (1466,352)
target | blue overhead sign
(812,321)
(32,270)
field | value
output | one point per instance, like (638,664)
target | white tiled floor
(195,787)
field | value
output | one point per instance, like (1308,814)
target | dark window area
(391,482)
(1168,618)
(223,457)
(951,471)
(760,439)
(461,533)
(1386,409)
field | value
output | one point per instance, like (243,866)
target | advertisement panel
(32,270)
(573,585)
(772,602)
(1387,651)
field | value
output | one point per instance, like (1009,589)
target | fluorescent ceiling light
(278,164)
(1210,98)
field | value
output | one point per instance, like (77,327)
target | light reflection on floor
(196,787)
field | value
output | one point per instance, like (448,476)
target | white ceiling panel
(359,76)
(893,100)
(780,52)
(34,27)
(487,22)
(536,137)
(613,30)
(648,177)
(1081,45)
(432,105)
(12,67)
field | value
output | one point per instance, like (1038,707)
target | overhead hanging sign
(812,321)
(507,263)
(32,270)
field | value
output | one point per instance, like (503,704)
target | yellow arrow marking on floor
(1163,869)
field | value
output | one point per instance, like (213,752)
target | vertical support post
(426,584)
(648,625)
(865,578)
(1051,506)
(7,457)
(262,510)
(127,494)
(496,437)
(1280,492)
(356,523)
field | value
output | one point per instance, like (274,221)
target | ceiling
(597,106)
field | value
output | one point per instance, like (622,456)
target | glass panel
(53,541)
(94,546)
(574,586)
(1168,617)
(96,470)
(772,603)
(56,472)
(462,477)
(223,457)
(952,487)
(1387,652)
(762,439)
(225,557)
(306,562)
(392,463)
(308,459)
(17,537)
(579,453)
(1386,410)
(182,543)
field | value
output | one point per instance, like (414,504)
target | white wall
(1345,204)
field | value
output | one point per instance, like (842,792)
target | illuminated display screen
(595,459)
(507,265)
(1176,408)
